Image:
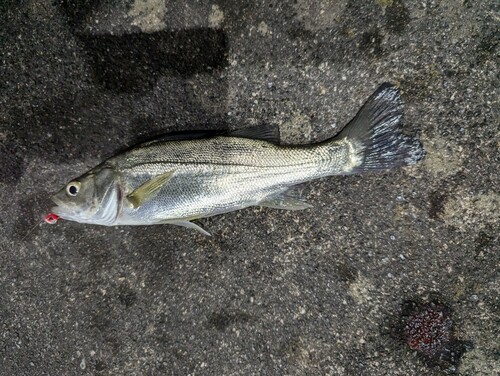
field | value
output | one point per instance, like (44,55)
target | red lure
(51,218)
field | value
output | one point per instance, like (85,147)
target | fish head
(92,198)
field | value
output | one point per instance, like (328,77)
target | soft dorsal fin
(148,190)
(266,133)
(270,133)
(185,135)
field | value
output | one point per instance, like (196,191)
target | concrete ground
(354,286)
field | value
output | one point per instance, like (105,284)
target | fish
(179,178)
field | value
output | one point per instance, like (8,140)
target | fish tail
(375,136)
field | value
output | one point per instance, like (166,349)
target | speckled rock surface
(318,292)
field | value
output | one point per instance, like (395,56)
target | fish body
(220,174)
(176,181)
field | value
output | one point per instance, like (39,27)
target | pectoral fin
(286,202)
(148,190)
(188,224)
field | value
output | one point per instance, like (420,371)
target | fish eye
(73,188)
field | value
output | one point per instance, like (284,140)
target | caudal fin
(376,133)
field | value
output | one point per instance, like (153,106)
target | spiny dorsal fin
(148,190)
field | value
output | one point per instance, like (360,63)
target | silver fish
(175,180)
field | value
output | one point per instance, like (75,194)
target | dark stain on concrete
(437,201)
(397,17)
(222,320)
(489,43)
(127,296)
(371,43)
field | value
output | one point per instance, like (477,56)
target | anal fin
(286,202)
(188,224)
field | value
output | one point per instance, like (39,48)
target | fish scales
(218,175)
(226,151)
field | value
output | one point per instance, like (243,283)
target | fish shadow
(134,62)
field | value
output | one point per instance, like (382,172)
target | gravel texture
(317,292)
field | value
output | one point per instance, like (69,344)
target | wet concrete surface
(317,292)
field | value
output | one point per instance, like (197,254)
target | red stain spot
(428,329)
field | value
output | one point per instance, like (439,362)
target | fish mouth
(58,209)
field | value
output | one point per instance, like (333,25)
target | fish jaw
(63,210)
(106,216)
